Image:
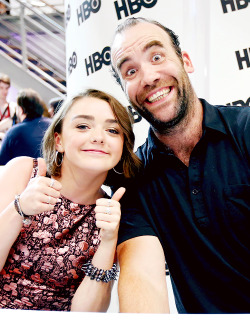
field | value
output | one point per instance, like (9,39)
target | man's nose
(149,75)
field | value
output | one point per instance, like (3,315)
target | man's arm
(142,286)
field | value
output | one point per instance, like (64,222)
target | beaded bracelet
(26,219)
(99,274)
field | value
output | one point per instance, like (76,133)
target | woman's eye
(156,57)
(82,127)
(113,131)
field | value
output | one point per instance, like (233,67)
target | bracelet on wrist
(99,274)
(25,218)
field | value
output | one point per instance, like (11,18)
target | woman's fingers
(47,186)
(108,214)
(40,195)
(118,194)
(114,201)
(108,210)
(52,183)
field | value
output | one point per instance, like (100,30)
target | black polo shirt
(200,213)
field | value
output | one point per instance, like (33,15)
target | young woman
(58,228)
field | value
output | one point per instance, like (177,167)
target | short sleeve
(134,222)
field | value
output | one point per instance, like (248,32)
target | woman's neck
(82,189)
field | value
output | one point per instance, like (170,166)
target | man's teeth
(159,95)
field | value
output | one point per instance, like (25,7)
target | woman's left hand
(108,214)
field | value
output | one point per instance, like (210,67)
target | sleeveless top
(43,269)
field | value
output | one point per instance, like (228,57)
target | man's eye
(130,72)
(156,57)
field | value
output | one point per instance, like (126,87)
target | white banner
(215,33)
(229,57)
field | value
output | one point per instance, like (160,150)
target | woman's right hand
(108,215)
(41,193)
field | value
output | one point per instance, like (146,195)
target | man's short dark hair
(31,103)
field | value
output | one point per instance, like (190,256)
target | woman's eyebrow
(91,118)
(111,121)
(86,117)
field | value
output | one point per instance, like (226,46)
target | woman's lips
(95,151)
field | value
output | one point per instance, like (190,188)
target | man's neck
(185,136)
(22,117)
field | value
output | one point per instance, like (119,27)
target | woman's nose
(97,136)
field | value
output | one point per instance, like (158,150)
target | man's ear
(19,110)
(20,113)
(188,65)
(58,142)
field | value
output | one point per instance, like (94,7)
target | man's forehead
(142,29)
(136,36)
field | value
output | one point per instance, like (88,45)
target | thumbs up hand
(41,193)
(108,215)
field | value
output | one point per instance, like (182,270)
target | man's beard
(185,98)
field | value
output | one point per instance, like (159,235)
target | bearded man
(190,203)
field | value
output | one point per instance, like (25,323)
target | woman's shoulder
(17,170)
(20,163)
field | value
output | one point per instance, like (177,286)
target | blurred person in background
(4,10)
(25,138)
(54,105)
(7,109)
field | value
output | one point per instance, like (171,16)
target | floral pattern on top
(43,269)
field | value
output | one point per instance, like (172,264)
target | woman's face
(91,137)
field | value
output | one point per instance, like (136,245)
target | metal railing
(36,41)
(48,6)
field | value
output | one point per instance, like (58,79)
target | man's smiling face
(153,76)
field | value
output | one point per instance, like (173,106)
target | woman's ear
(58,142)
(188,65)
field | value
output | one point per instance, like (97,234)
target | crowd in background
(24,122)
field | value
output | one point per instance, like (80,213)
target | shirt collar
(28,119)
(211,120)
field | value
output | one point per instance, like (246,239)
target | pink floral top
(43,269)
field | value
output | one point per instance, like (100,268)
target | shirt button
(195,191)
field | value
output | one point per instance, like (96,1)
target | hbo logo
(86,8)
(131,7)
(72,62)
(136,116)
(96,60)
